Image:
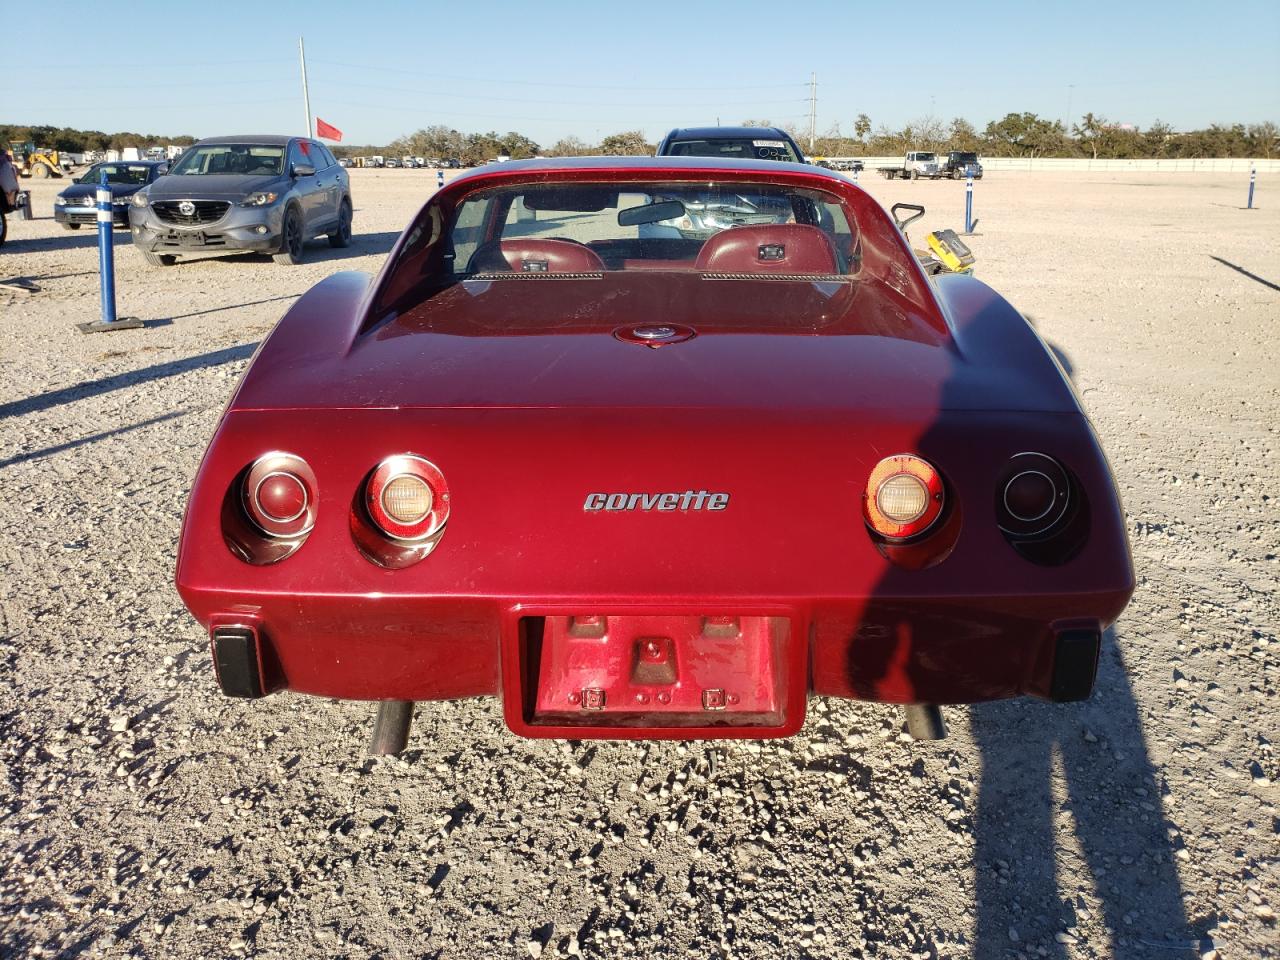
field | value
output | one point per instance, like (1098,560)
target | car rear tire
(341,237)
(71,226)
(159,259)
(291,241)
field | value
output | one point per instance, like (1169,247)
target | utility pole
(813,108)
(306,95)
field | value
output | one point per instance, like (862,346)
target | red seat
(780,248)
(538,256)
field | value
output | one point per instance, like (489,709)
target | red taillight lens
(407,498)
(278,496)
(904,497)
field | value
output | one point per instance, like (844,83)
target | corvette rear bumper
(597,668)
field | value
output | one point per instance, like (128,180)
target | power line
(615,118)
(548,83)
(543,101)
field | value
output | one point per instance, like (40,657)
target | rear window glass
(761,148)
(741,228)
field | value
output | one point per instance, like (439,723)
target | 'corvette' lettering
(661,502)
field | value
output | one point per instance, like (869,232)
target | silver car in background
(269,194)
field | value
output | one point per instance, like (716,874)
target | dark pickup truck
(960,163)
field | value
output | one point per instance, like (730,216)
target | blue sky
(554,67)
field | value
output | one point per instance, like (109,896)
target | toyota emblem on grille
(186,208)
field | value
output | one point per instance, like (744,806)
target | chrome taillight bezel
(885,470)
(279,463)
(411,465)
(1030,462)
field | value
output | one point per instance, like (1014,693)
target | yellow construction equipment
(952,252)
(35,162)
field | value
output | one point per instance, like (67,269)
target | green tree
(629,144)
(962,136)
(1089,133)
(519,147)
(1025,135)
(570,147)
(1157,139)
(1264,139)
(862,127)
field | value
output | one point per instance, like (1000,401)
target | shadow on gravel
(1242,270)
(362,245)
(68,241)
(130,378)
(1115,799)
(83,441)
(230,306)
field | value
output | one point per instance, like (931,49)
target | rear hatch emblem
(655,334)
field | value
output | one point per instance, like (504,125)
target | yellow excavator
(35,162)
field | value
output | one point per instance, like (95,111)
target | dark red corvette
(654,448)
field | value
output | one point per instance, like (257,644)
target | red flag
(328,132)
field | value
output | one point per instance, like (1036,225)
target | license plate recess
(690,674)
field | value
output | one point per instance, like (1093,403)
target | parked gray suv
(231,194)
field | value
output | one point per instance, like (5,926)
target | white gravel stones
(188,826)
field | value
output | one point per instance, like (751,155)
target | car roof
(725,133)
(134,163)
(656,164)
(267,139)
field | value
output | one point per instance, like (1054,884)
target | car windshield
(925,156)
(235,159)
(965,157)
(129,174)
(738,148)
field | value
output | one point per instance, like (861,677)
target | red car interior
(537,256)
(782,248)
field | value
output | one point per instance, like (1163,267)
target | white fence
(1187,165)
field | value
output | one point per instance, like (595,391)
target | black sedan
(78,203)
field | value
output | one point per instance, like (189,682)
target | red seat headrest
(539,256)
(771,248)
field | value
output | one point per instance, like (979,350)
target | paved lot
(142,814)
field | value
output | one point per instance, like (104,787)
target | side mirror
(303,170)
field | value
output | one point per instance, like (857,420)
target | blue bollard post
(106,252)
(968,205)
(107,269)
(1253,178)
(439,179)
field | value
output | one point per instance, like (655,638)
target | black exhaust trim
(391,729)
(237,663)
(924,721)
(1075,665)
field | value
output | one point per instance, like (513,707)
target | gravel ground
(142,814)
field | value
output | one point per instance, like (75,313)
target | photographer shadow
(1033,885)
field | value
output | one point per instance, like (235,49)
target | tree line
(1029,135)
(1014,135)
(71,140)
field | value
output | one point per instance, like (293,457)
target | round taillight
(1032,496)
(407,498)
(278,497)
(904,497)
